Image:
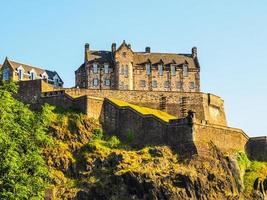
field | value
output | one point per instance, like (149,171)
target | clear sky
(231,36)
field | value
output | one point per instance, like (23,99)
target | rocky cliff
(84,164)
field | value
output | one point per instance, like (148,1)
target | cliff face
(84,165)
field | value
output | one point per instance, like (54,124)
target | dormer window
(32,75)
(148,69)
(185,70)
(20,73)
(160,67)
(95,68)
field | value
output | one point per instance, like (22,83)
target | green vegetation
(145,111)
(250,171)
(23,173)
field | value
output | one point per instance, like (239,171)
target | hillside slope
(86,165)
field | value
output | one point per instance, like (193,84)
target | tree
(23,173)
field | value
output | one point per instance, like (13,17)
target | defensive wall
(186,136)
(189,134)
(207,106)
(256,145)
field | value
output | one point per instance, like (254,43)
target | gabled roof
(124,45)
(39,71)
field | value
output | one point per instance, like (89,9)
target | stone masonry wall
(227,139)
(207,106)
(257,148)
(146,130)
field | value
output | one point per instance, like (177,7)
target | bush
(98,134)
(113,142)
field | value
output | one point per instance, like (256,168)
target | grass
(145,111)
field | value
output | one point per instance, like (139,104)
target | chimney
(129,45)
(194,52)
(147,49)
(113,47)
(86,52)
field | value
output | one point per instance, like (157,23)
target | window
(179,85)
(173,71)
(154,84)
(148,69)
(191,85)
(160,69)
(142,83)
(122,70)
(124,54)
(107,82)
(5,74)
(106,68)
(95,68)
(33,76)
(126,71)
(20,74)
(166,84)
(95,82)
(185,70)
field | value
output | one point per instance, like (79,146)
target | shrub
(98,134)
(113,142)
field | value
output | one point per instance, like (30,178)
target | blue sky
(231,37)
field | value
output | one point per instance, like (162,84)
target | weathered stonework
(124,69)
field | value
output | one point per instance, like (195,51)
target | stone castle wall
(207,106)
(257,148)
(184,136)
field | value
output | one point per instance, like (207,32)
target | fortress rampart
(189,134)
(207,106)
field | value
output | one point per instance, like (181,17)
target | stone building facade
(17,71)
(124,69)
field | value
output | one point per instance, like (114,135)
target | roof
(167,58)
(140,58)
(39,71)
(100,57)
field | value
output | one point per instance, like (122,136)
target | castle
(124,69)
(109,87)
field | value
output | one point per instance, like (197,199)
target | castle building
(124,69)
(16,71)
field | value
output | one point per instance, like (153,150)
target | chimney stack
(147,49)
(86,52)
(129,45)
(194,52)
(113,47)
